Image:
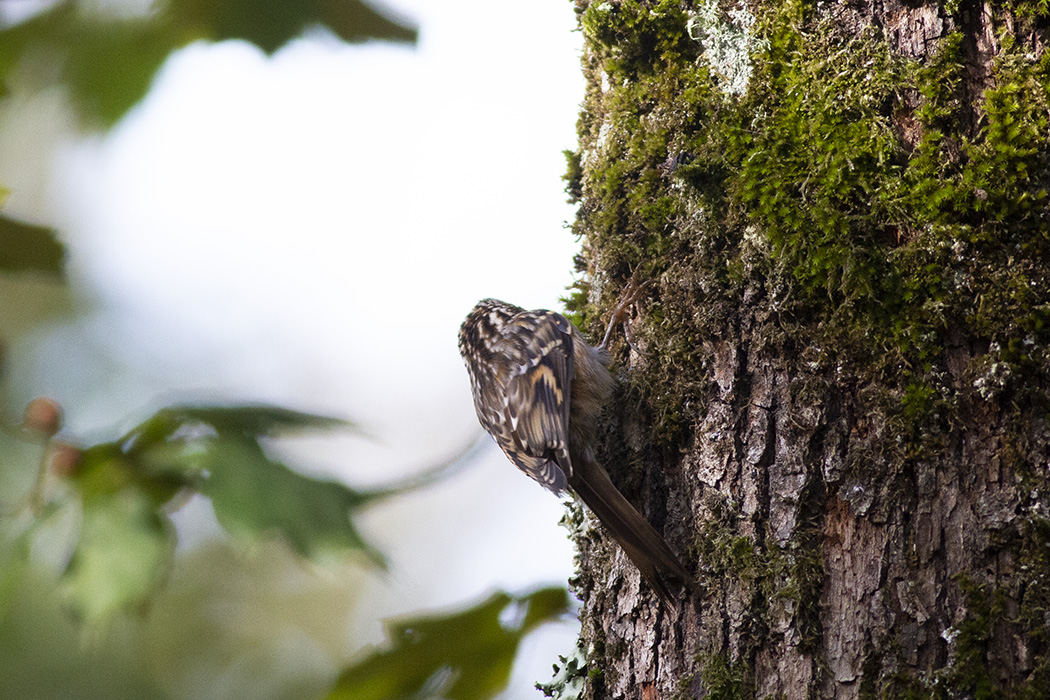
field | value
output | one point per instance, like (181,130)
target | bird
(539,389)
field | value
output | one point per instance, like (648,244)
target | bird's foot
(632,292)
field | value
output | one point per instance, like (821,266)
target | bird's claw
(632,292)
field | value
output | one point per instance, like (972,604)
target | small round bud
(43,416)
(64,459)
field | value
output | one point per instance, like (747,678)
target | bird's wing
(536,381)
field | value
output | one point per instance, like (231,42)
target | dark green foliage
(108,62)
(228,421)
(253,495)
(122,556)
(28,248)
(269,24)
(466,655)
(128,487)
(123,542)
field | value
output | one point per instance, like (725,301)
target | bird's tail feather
(639,540)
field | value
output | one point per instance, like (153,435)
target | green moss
(577,303)
(970,668)
(636,37)
(968,672)
(895,686)
(573,176)
(864,202)
(1034,618)
(785,579)
(855,170)
(724,679)
(595,664)
(821,171)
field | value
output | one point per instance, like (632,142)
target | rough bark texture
(834,393)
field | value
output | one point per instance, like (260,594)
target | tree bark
(833,394)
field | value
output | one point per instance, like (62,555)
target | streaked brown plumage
(539,389)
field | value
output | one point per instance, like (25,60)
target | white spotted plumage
(521,366)
(539,389)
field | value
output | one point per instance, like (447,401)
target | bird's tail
(639,540)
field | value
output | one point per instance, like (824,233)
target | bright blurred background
(306,229)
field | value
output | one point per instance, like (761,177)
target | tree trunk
(834,389)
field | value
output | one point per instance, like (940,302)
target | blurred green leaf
(111,65)
(215,450)
(257,419)
(105,470)
(189,423)
(20,463)
(20,470)
(253,495)
(13,561)
(47,655)
(108,62)
(465,655)
(28,248)
(357,21)
(126,488)
(269,24)
(122,557)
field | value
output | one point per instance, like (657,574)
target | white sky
(310,229)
